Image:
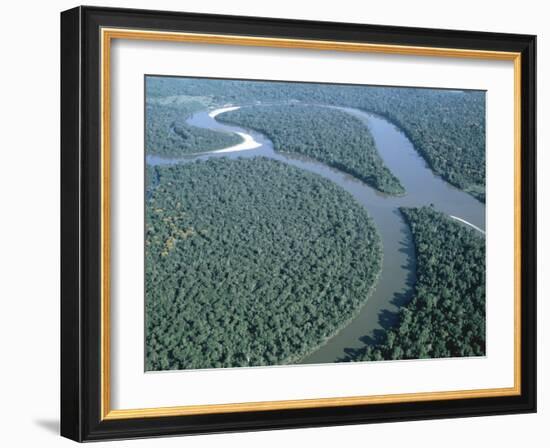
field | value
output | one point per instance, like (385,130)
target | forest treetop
(446,316)
(446,126)
(328,135)
(248,263)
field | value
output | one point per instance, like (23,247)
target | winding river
(396,283)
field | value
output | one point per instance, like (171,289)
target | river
(396,283)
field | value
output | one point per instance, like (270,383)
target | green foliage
(249,262)
(166,132)
(446,126)
(446,317)
(329,135)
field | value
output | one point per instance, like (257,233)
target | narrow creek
(396,283)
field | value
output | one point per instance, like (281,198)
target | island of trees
(326,134)
(446,317)
(250,262)
(446,126)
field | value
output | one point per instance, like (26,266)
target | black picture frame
(81,224)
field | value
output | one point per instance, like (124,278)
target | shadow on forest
(388,319)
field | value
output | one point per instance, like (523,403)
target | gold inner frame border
(107,35)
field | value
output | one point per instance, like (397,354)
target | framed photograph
(276,224)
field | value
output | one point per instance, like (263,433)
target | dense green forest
(446,317)
(329,135)
(167,134)
(249,262)
(446,126)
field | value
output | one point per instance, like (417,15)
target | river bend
(397,279)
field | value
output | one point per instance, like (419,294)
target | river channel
(396,283)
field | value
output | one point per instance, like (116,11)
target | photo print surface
(307,223)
